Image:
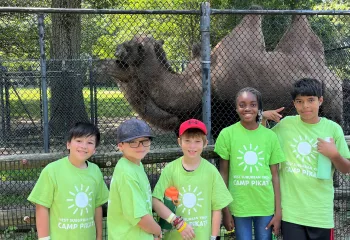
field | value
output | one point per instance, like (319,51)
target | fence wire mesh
(106,68)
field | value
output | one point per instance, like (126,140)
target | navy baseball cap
(132,129)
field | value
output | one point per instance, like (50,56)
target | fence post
(205,60)
(93,94)
(43,82)
(2,104)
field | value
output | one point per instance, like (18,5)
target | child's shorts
(291,231)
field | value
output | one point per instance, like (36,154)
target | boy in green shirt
(202,191)
(70,192)
(307,200)
(130,201)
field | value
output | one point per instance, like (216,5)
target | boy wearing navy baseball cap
(202,191)
(130,200)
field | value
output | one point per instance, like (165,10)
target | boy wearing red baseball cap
(202,191)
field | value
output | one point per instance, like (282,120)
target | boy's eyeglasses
(135,144)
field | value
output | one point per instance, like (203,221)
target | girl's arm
(215,222)
(42,221)
(224,167)
(273,115)
(276,220)
(276,188)
(98,222)
(227,217)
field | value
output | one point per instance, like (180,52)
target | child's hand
(273,115)
(328,149)
(188,233)
(276,223)
(158,237)
(228,221)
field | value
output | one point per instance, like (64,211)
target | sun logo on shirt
(81,200)
(250,158)
(190,199)
(304,148)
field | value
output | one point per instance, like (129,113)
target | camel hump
(299,38)
(143,38)
(249,32)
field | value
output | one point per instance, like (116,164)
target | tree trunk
(67,102)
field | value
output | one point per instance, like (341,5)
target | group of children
(267,180)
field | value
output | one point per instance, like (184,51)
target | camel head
(130,55)
(142,49)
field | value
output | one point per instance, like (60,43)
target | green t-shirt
(71,194)
(250,152)
(200,192)
(306,200)
(130,199)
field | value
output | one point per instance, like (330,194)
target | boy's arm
(276,220)
(98,222)
(42,221)
(227,217)
(148,224)
(215,223)
(164,212)
(329,149)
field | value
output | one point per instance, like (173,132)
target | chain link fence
(108,67)
(60,66)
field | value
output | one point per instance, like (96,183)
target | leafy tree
(179,32)
(67,101)
(335,34)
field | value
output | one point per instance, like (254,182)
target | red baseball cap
(192,123)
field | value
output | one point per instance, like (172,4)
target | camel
(165,98)
(140,63)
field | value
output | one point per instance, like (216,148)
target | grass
(110,103)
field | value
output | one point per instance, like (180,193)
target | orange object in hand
(173,194)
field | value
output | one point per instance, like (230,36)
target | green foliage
(266,4)
(334,31)
(9,232)
(31,235)
(179,32)
(19,38)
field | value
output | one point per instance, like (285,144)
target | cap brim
(205,133)
(132,138)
